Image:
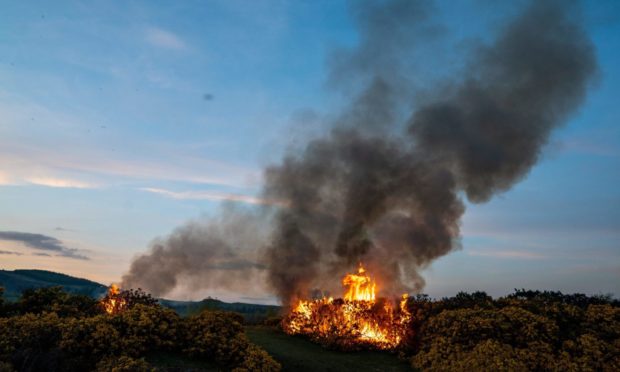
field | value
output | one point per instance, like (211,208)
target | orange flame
(361,287)
(358,319)
(113,302)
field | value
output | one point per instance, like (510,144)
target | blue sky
(121,120)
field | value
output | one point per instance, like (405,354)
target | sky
(120,121)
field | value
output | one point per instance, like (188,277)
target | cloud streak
(211,195)
(60,183)
(11,253)
(24,165)
(43,243)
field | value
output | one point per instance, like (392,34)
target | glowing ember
(113,302)
(356,321)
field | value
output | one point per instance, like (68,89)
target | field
(293,353)
(298,354)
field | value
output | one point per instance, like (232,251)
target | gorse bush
(525,331)
(48,330)
(219,336)
(53,300)
(123,364)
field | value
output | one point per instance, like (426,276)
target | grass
(299,354)
(177,362)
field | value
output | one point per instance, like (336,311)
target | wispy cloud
(59,228)
(87,160)
(59,182)
(40,254)
(525,255)
(211,195)
(164,39)
(23,165)
(11,253)
(43,243)
(20,177)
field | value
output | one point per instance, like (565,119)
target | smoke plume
(385,185)
(203,254)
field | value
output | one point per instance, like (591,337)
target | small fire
(359,319)
(113,302)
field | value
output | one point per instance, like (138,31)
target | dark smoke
(364,194)
(384,186)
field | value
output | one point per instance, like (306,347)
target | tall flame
(361,286)
(113,302)
(358,319)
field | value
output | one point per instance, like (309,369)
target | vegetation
(48,329)
(51,330)
(528,330)
(17,281)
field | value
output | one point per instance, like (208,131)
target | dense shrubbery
(219,336)
(49,330)
(528,330)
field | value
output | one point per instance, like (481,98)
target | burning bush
(117,341)
(355,322)
(118,300)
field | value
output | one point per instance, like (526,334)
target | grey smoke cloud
(385,185)
(203,254)
(367,193)
(42,242)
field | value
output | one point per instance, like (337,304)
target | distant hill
(252,313)
(16,281)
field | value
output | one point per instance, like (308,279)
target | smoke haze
(385,185)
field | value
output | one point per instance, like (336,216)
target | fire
(113,302)
(361,287)
(357,320)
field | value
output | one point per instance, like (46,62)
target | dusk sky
(120,121)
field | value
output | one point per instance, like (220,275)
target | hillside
(251,313)
(16,281)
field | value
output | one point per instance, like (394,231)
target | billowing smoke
(367,193)
(204,254)
(385,185)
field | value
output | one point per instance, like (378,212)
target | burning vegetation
(118,300)
(113,302)
(358,320)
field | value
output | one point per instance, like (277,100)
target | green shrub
(55,300)
(529,330)
(82,339)
(123,364)
(257,359)
(6,367)
(147,328)
(219,336)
